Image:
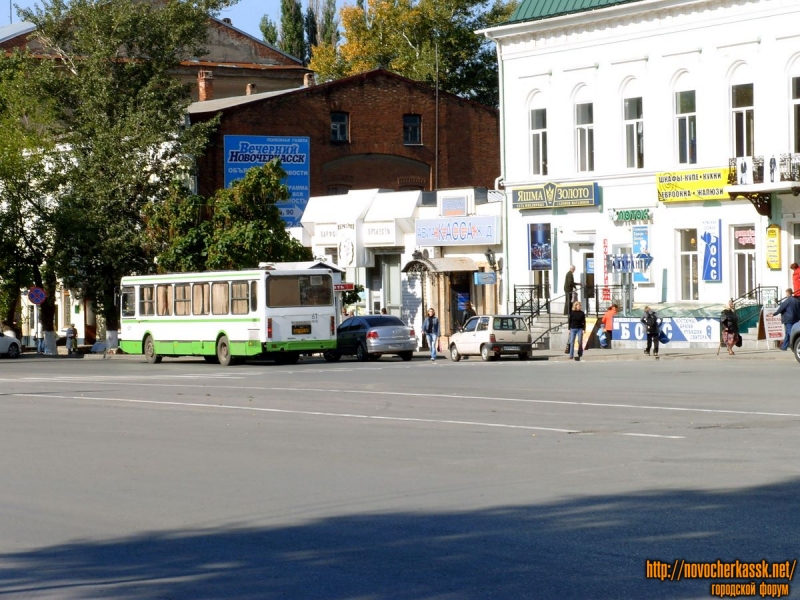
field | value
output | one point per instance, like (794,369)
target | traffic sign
(36,295)
(343,287)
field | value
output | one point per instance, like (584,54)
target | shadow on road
(583,548)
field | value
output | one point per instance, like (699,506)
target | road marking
(653,435)
(298,412)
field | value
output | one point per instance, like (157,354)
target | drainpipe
(506,253)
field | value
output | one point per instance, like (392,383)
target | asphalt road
(392,480)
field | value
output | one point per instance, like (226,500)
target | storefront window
(688,269)
(744,258)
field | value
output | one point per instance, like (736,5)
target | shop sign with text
(626,215)
(773,245)
(712,254)
(380,233)
(555,195)
(693,186)
(677,329)
(457,232)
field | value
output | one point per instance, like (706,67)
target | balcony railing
(785,168)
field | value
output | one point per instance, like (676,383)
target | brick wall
(469,145)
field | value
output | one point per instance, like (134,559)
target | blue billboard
(243,152)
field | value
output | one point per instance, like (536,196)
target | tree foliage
(269,30)
(122,136)
(292,39)
(237,228)
(405,36)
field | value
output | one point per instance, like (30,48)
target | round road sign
(36,295)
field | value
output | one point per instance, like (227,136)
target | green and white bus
(227,316)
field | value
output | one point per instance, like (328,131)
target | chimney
(205,85)
(308,80)
(252,88)
(227,21)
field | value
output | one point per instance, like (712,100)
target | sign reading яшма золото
(693,186)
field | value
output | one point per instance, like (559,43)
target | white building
(412,250)
(620,122)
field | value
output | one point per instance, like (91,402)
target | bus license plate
(512,347)
(301,328)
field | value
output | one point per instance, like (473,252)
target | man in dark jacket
(468,313)
(652,326)
(789,310)
(569,290)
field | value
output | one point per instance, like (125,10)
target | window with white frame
(633,121)
(743,119)
(688,264)
(686,127)
(539,141)
(796,113)
(412,130)
(584,136)
(744,258)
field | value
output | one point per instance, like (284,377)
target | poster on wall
(712,252)
(641,252)
(773,246)
(540,250)
(242,152)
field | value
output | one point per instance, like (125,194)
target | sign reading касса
(555,195)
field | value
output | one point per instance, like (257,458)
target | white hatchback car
(491,336)
(9,345)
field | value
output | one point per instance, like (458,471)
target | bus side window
(240,303)
(146,301)
(253,296)
(200,299)
(164,300)
(182,300)
(128,302)
(220,296)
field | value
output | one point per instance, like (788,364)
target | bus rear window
(299,290)
(128,302)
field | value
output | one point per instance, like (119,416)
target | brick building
(372,130)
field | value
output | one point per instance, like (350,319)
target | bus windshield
(299,290)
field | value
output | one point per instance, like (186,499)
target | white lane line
(299,412)
(653,435)
(463,397)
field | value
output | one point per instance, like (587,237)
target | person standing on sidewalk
(39,338)
(569,289)
(729,322)
(468,313)
(431,328)
(72,339)
(789,310)
(608,323)
(795,279)
(652,327)
(577,325)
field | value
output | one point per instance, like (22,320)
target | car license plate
(301,328)
(512,348)
(395,346)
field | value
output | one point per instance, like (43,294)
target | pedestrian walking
(795,279)
(468,313)
(569,290)
(39,338)
(577,325)
(608,323)
(652,327)
(431,328)
(72,339)
(729,323)
(789,310)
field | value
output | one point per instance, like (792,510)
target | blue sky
(246,15)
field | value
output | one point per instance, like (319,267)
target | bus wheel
(223,351)
(150,351)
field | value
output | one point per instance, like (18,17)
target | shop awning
(343,208)
(395,206)
(440,265)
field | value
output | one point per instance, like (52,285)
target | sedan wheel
(454,355)
(13,351)
(331,356)
(361,353)
(406,356)
(797,348)
(486,353)
(524,355)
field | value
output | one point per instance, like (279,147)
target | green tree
(409,37)
(269,30)
(328,25)
(123,138)
(237,228)
(312,29)
(292,29)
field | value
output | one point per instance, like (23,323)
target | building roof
(9,32)
(531,10)
(212,106)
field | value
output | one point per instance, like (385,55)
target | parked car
(10,346)
(370,337)
(491,336)
(794,340)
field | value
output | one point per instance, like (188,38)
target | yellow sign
(693,186)
(774,247)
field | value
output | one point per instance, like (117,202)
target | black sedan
(371,336)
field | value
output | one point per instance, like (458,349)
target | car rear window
(382,321)
(509,324)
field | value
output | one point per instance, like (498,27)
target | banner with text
(540,251)
(465,231)
(693,186)
(711,234)
(678,329)
(555,195)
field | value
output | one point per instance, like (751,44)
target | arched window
(584,130)
(685,120)
(633,125)
(538,129)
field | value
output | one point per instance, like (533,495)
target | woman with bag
(730,327)
(431,328)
